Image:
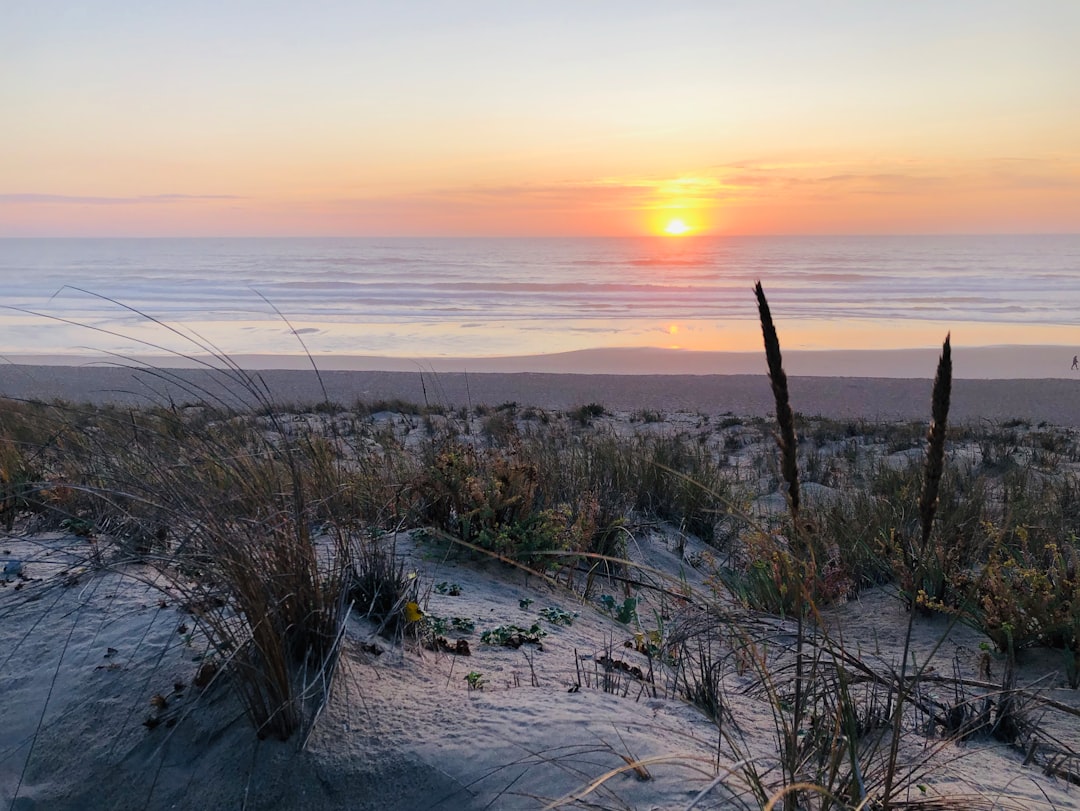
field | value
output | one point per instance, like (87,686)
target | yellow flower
(413,612)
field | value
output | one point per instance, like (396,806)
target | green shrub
(1024,597)
(495,501)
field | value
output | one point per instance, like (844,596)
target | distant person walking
(1076,362)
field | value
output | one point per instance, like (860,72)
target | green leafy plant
(1024,598)
(513,636)
(436,625)
(557,616)
(625,612)
(475,680)
(463,624)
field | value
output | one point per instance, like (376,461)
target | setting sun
(676,228)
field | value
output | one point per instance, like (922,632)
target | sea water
(498,297)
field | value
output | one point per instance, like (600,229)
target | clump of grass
(379,587)
(561,492)
(228,495)
(587,413)
(670,477)
(17,474)
(268,592)
(500,427)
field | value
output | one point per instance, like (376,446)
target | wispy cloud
(68,199)
(598,193)
(899,178)
(535,196)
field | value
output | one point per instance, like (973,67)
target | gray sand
(1051,400)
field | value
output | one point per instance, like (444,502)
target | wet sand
(1054,401)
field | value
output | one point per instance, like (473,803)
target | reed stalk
(928,502)
(803,569)
(785,417)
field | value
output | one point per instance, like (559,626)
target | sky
(475,118)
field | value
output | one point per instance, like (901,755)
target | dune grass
(269,523)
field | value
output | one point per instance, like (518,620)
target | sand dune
(402,731)
(94,653)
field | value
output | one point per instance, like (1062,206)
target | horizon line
(663,237)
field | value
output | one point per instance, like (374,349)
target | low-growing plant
(513,636)
(463,625)
(441,625)
(557,616)
(475,680)
(625,612)
(494,501)
(436,625)
(654,645)
(1024,598)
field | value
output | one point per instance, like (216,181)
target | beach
(1050,400)
(516,406)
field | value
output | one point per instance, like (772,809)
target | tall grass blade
(935,450)
(928,501)
(803,569)
(785,418)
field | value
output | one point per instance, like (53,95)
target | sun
(676,228)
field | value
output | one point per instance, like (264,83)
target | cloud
(716,185)
(604,193)
(68,199)
(900,177)
(524,196)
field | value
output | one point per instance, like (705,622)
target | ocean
(431,298)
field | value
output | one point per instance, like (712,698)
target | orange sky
(494,118)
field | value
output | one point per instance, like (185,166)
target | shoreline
(1004,362)
(1051,401)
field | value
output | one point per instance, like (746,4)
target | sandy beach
(843,397)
